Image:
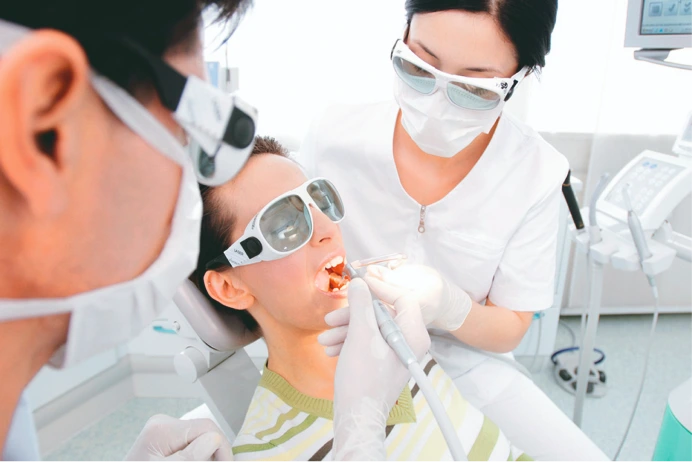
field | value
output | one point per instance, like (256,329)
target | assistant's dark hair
(218,222)
(528,24)
(157,25)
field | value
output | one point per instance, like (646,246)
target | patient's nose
(324,228)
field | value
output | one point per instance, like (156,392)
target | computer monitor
(659,24)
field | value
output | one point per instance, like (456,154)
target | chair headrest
(221,331)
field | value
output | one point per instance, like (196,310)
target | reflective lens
(286,225)
(415,77)
(472,97)
(327,199)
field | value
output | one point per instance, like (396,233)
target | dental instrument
(637,233)
(572,203)
(396,341)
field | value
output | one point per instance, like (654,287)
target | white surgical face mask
(107,317)
(436,125)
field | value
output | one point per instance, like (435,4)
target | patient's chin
(326,303)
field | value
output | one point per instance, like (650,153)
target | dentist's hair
(159,26)
(218,222)
(528,24)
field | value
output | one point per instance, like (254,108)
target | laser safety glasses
(479,94)
(284,225)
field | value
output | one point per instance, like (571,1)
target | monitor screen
(666,17)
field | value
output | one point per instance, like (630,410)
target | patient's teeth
(336,261)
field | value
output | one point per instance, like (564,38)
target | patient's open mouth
(332,277)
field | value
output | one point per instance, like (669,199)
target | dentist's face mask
(444,113)
(224,128)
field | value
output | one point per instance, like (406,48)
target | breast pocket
(470,260)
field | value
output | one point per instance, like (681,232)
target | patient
(282,291)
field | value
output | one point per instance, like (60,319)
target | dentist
(99,201)
(444,176)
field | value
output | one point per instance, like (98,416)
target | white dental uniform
(494,235)
(22,441)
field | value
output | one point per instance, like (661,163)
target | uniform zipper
(421,223)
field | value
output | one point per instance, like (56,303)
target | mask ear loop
(139,120)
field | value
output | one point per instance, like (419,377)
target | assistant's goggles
(479,94)
(284,225)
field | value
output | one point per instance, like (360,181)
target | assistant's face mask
(104,318)
(444,113)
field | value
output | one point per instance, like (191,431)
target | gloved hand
(444,305)
(168,438)
(369,376)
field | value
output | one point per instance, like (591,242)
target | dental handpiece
(635,227)
(388,327)
(395,339)
(637,232)
(572,203)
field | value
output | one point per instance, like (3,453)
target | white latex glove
(369,376)
(168,438)
(444,305)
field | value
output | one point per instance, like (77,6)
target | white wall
(51,383)
(300,55)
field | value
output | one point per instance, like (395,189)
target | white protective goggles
(479,94)
(284,225)
(220,127)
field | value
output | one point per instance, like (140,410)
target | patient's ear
(227,290)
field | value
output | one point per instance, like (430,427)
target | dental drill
(396,341)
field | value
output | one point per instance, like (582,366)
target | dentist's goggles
(479,94)
(284,225)
(220,127)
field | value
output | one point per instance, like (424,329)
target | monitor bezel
(634,38)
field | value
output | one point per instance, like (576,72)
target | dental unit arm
(628,228)
(395,339)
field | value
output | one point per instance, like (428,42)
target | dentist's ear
(43,83)
(227,290)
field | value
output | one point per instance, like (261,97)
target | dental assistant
(468,192)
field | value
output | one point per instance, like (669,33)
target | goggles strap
(511,90)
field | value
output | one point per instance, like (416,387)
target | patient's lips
(322,281)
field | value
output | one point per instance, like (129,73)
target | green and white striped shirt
(284,424)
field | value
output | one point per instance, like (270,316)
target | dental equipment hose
(588,339)
(396,341)
(594,235)
(639,239)
(649,345)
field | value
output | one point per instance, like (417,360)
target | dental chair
(214,359)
